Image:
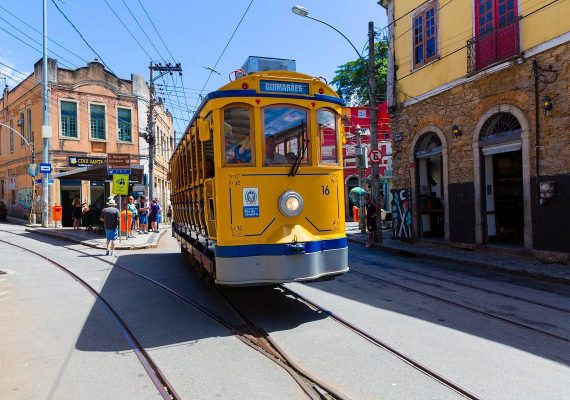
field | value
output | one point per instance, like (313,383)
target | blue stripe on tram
(279,249)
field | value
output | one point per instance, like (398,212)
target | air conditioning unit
(20,122)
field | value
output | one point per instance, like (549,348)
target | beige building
(92,113)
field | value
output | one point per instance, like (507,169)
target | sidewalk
(95,240)
(490,258)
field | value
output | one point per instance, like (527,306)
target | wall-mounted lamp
(547,191)
(455,131)
(547,105)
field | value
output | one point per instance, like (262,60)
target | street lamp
(304,12)
(33,153)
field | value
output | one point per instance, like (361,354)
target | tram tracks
(470,286)
(383,345)
(247,333)
(153,371)
(459,305)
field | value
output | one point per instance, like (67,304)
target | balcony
(493,46)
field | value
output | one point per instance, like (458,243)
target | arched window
(500,125)
(429,144)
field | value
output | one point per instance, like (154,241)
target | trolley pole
(150,136)
(46,127)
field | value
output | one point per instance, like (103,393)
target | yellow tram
(257,182)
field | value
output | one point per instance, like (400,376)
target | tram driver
(272,157)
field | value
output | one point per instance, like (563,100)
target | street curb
(406,253)
(89,243)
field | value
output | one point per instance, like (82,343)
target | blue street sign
(39,181)
(118,171)
(45,168)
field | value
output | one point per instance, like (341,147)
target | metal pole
(46,128)
(150,137)
(120,216)
(374,128)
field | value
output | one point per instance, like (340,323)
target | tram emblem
(250,202)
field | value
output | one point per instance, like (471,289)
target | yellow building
(92,112)
(478,99)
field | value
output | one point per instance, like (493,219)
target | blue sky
(194,32)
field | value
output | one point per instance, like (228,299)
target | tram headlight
(290,203)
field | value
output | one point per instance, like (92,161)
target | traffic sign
(119,163)
(375,156)
(45,168)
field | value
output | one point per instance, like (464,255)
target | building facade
(480,114)
(92,113)
(354,117)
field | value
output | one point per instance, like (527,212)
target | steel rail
(467,285)
(260,332)
(458,305)
(379,343)
(155,374)
(249,338)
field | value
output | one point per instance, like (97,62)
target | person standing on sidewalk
(134,213)
(371,215)
(110,217)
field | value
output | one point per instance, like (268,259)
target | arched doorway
(430,184)
(502,195)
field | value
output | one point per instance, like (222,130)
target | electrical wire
(224,50)
(82,37)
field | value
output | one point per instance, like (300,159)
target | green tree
(351,79)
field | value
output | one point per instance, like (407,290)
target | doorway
(429,186)
(67,196)
(504,203)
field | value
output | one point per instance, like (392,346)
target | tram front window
(285,132)
(327,130)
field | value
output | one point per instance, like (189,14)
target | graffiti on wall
(402,213)
(25,198)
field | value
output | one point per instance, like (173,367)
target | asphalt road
(498,336)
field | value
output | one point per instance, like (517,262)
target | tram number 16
(325,189)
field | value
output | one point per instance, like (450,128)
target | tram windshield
(285,132)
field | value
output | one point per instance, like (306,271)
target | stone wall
(468,106)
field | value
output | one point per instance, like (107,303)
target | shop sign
(81,162)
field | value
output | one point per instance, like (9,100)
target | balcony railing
(493,46)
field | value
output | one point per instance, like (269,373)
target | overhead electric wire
(142,29)
(82,37)
(128,30)
(35,41)
(224,50)
(37,31)
(156,30)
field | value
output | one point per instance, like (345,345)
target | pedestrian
(158,215)
(371,214)
(133,210)
(143,215)
(110,217)
(76,213)
(154,208)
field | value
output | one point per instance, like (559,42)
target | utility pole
(374,127)
(46,126)
(150,136)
